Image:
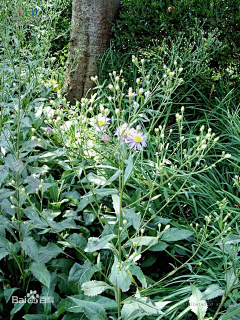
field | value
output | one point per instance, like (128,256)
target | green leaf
(230,278)
(136,271)
(128,169)
(80,274)
(233,313)
(92,310)
(212,292)
(95,244)
(89,216)
(231,239)
(198,304)
(149,261)
(144,305)
(134,218)
(160,246)
(113,178)
(116,204)
(40,272)
(93,288)
(38,253)
(108,304)
(93,178)
(16,308)
(142,241)
(119,277)
(8,293)
(36,317)
(174,234)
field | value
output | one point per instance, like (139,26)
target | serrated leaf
(95,244)
(119,277)
(197,303)
(174,234)
(94,288)
(40,272)
(212,292)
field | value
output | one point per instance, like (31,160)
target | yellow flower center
(100,123)
(137,139)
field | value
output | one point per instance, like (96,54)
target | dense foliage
(126,205)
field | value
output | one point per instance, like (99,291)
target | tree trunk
(89,38)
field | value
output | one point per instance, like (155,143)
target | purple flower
(48,129)
(136,140)
(122,132)
(105,138)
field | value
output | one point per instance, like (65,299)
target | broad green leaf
(8,293)
(136,271)
(159,246)
(174,234)
(93,178)
(16,308)
(62,264)
(128,169)
(119,277)
(197,303)
(108,304)
(212,292)
(92,310)
(231,239)
(113,178)
(40,272)
(132,217)
(89,216)
(149,261)
(95,244)
(93,288)
(142,241)
(80,274)
(38,253)
(145,305)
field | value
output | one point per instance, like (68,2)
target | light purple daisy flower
(136,140)
(123,132)
(105,138)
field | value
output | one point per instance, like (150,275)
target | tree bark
(89,38)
